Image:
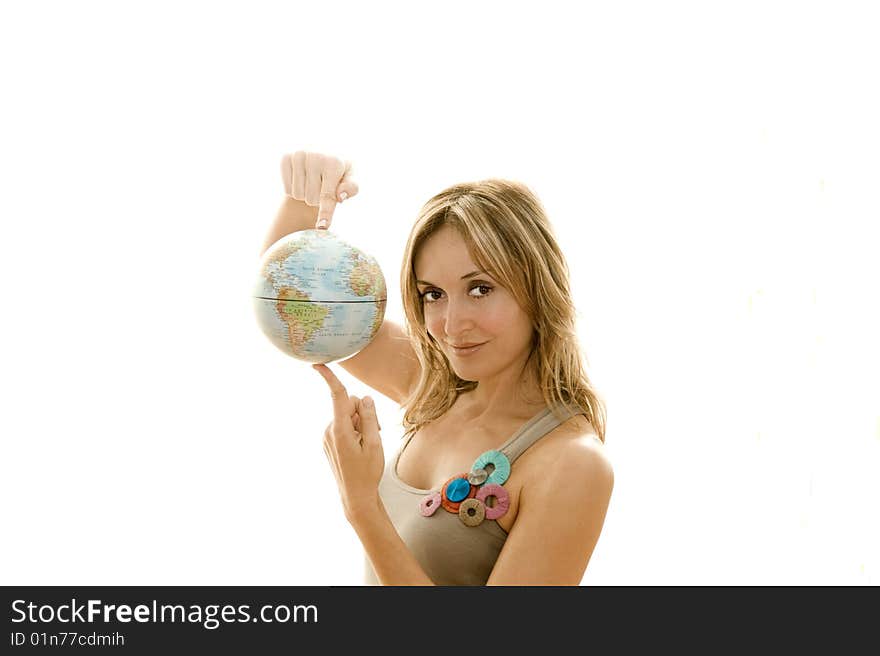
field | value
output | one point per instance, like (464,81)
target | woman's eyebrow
(464,277)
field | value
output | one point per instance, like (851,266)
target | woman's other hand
(319,181)
(353,447)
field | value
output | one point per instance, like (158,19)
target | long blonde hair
(509,236)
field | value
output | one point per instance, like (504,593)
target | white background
(711,171)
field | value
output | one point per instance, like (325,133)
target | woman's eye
(484,291)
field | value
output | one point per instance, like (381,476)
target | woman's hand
(319,181)
(353,447)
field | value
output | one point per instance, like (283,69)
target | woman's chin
(469,373)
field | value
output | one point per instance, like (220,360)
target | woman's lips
(467,351)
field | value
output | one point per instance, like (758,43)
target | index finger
(331,176)
(337,392)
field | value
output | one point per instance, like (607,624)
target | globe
(318,298)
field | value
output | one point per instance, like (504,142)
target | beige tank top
(449,550)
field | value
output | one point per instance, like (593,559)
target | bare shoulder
(563,498)
(574,453)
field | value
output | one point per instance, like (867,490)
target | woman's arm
(392,561)
(559,520)
(354,450)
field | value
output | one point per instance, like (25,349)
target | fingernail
(342,196)
(368,401)
(322,224)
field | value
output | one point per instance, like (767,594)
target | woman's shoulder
(566,487)
(571,449)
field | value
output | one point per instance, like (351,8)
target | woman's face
(464,306)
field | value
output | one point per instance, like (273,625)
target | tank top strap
(536,428)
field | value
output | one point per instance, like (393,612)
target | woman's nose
(459,317)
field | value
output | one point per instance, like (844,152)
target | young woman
(502,477)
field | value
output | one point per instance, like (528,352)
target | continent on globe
(317,297)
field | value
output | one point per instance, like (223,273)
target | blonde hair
(509,236)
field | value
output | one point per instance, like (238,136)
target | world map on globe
(318,298)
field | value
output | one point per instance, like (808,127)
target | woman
(502,478)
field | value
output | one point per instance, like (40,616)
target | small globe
(317,297)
